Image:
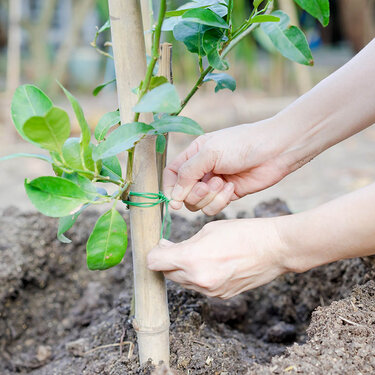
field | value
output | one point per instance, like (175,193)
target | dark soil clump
(56,317)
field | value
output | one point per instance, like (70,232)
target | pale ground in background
(343,168)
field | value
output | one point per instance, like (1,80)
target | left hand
(224,259)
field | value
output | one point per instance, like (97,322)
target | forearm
(342,228)
(338,107)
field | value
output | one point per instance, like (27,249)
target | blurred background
(42,41)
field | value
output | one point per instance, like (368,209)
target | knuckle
(184,171)
(206,282)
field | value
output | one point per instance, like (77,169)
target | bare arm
(229,257)
(338,107)
(226,165)
(342,228)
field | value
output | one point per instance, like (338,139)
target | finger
(191,172)
(198,289)
(198,192)
(215,185)
(220,201)
(162,257)
(171,171)
(178,276)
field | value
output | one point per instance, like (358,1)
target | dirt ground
(58,318)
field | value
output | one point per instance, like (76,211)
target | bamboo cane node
(150,330)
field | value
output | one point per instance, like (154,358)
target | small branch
(146,83)
(195,88)
(350,322)
(154,52)
(225,51)
(131,346)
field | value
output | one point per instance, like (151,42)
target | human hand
(225,165)
(225,258)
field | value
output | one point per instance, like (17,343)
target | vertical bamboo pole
(151,308)
(147,19)
(14,46)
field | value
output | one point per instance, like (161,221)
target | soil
(57,317)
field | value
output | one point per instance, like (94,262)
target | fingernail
(175,205)
(215,185)
(177,193)
(228,187)
(200,191)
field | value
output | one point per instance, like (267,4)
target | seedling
(206,29)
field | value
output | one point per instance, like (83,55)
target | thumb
(163,256)
(191,171)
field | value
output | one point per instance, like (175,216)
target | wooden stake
(14,46)
(151,309)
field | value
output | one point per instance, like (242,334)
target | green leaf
(157,81)
(161,143)
(49,131)
(191,34)
(85,129)
(178,124)
(111,168)
(211,45)
(28,101)
(55,196)
(261,18)
(176,13)
(205,17)
(317,8)
(170,23)
(256,3)
(290,41)
(215,5)
(105,123)
(66,222)
(84,184)
(223,81)
(75,157)
(121,139)
(108,241)
(25,155)
(162,99)
(99,88)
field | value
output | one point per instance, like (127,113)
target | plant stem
(195,88)
(246,29)
(154,52)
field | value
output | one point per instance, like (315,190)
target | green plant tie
(153,200)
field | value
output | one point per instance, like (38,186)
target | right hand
(225,165)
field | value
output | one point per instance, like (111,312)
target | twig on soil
(290,368)
(130,353)
(203,344)
(354,306)
(122,340)
(350,322)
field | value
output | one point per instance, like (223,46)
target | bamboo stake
(151,309)
(147,19)
(14,46)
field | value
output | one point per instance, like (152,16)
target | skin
(228,257)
